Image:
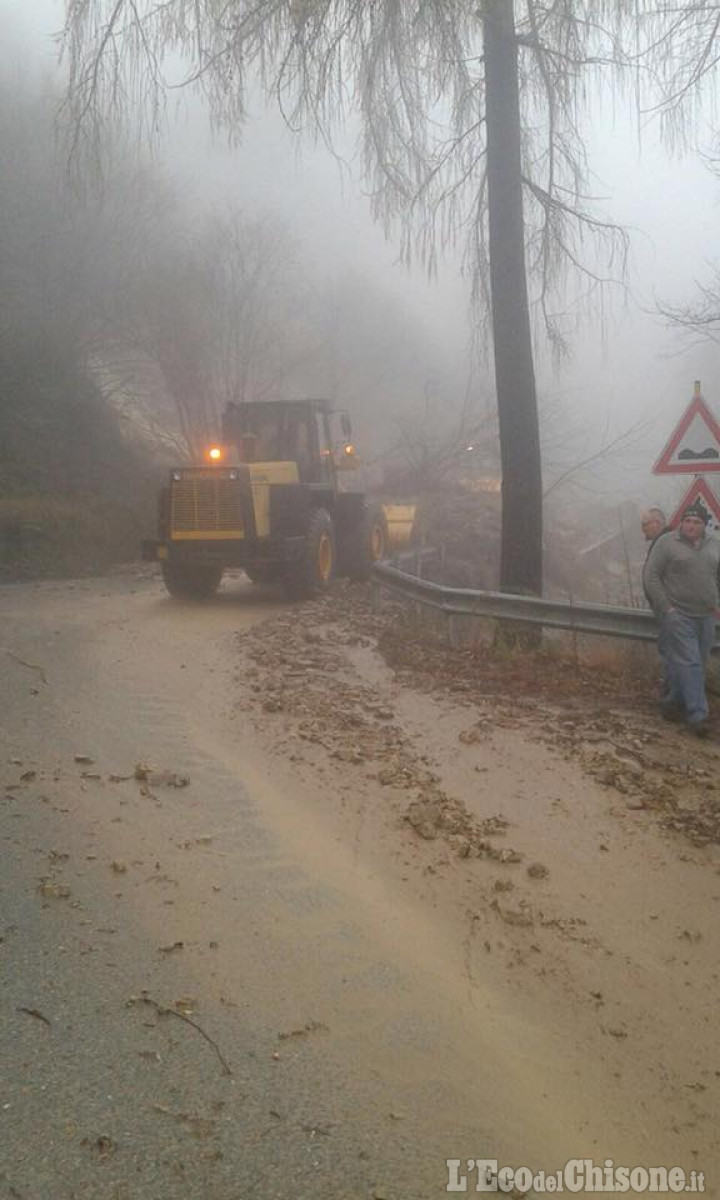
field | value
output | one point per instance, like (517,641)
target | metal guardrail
(603,619)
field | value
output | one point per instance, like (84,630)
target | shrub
(44,536)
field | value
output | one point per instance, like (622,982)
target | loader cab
(304,432)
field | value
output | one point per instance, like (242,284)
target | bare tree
(700,319)
(635,434)
(471,130)
(254,291)
(211,314)
(687,54)
(369,352)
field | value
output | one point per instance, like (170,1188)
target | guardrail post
(525,635)
(452,631)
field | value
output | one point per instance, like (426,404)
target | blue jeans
(685,644)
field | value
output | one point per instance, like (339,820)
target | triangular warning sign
(694,447)
(699,494)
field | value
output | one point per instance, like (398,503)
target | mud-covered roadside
(306,668)
(567,838)
(600,711)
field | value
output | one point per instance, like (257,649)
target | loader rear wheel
(191,582)
(367,544)
(269,573)
(315,568)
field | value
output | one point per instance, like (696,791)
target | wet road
(193,1005)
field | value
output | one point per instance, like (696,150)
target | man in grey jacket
(681,583)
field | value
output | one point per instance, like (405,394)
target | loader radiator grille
(205,506)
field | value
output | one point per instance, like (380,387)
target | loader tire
(314,570)
(367,544)
(263,574)
(191,582)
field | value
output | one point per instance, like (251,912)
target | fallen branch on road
(29,665)
(163,1011)
(34,1012)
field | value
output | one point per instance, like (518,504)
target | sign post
(694,449)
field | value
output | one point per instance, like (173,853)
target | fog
(626,369)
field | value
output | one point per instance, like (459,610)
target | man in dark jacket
(681,582)
(653,523)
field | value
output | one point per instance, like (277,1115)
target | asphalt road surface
(200,999)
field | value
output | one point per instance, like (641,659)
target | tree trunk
(521,551)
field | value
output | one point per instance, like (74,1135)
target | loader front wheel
(314,570)
(368,543)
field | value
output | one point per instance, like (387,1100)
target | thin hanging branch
(415,73)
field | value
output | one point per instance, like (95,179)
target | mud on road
(565,839)
(298,904)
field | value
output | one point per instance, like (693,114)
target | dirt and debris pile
(586,709)
(298,669)
(485,670)
(700,823)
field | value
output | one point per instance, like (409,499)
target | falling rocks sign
(699,495)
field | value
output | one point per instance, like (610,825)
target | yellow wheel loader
(279,496)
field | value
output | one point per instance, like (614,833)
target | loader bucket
(400,520)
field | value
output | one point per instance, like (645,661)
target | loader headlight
(176,476)
(214,454)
